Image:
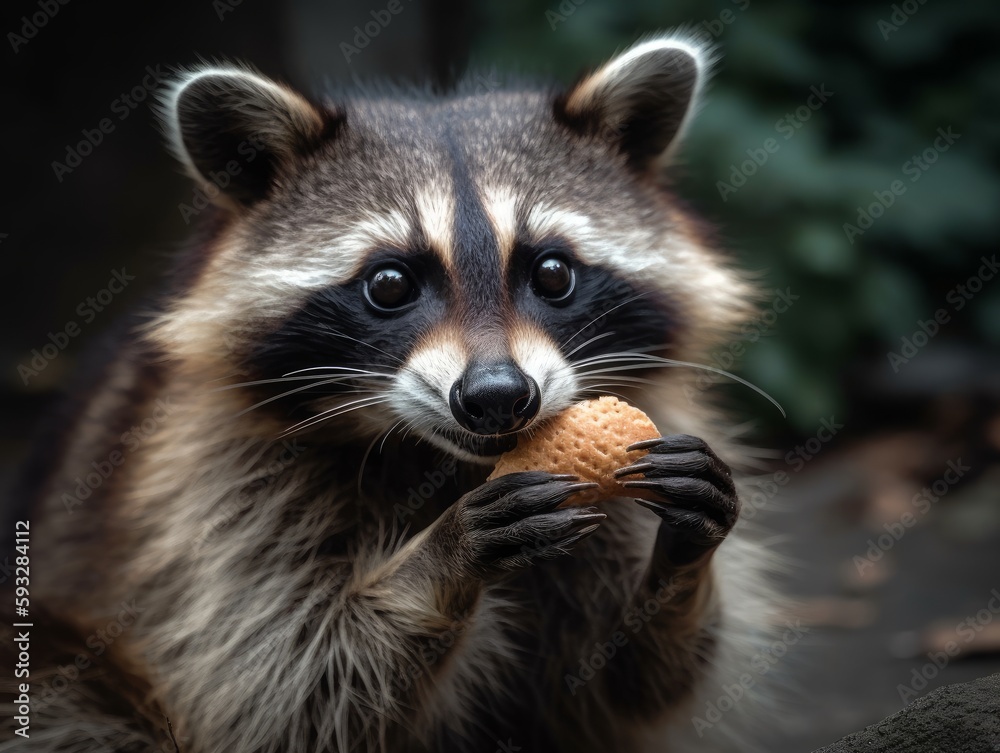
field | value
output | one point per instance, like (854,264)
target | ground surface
(878,631)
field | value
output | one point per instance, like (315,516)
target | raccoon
(296,548)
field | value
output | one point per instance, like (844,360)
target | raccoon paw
(693,493)
(511,522)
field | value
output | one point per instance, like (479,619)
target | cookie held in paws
(587,440)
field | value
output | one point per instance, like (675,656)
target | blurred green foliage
(894,85)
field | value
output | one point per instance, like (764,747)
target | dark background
(897,72)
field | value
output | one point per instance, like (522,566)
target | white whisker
(407,427)
(601,316)
(631,352)
(339,410)
(292,392)
(600,391)
(362,342)
(364,372)
(279,380)
(588,342)
(381,447)
(642,360)
(364,460)
(599,374)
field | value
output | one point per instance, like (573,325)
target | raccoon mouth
(486,446)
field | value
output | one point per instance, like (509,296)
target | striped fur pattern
(292,519)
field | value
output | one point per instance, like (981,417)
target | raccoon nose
(494,398)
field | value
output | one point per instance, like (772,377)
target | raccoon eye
(553,278)
(390,288)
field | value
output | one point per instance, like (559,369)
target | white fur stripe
(314,268)
(500,204)
(436,210)
(540,358)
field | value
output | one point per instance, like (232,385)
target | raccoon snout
(494,398)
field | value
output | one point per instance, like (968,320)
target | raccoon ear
(235,130)
(641,99)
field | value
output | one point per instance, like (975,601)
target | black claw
(686,463)
(513,520)
(685,487)
(680,489)
(644,444)
(589,526)
(516,495)
(551,526)
(527,555)
(694,526)
(628,470)
(590,516)
(513,483)
(662,509)
(694,494)
(581,534)
(687,520)
(654,506)
(589,529)
(672,443)
(654,485)
(582,486)
(539,537)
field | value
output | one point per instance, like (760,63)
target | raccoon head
(461,267)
